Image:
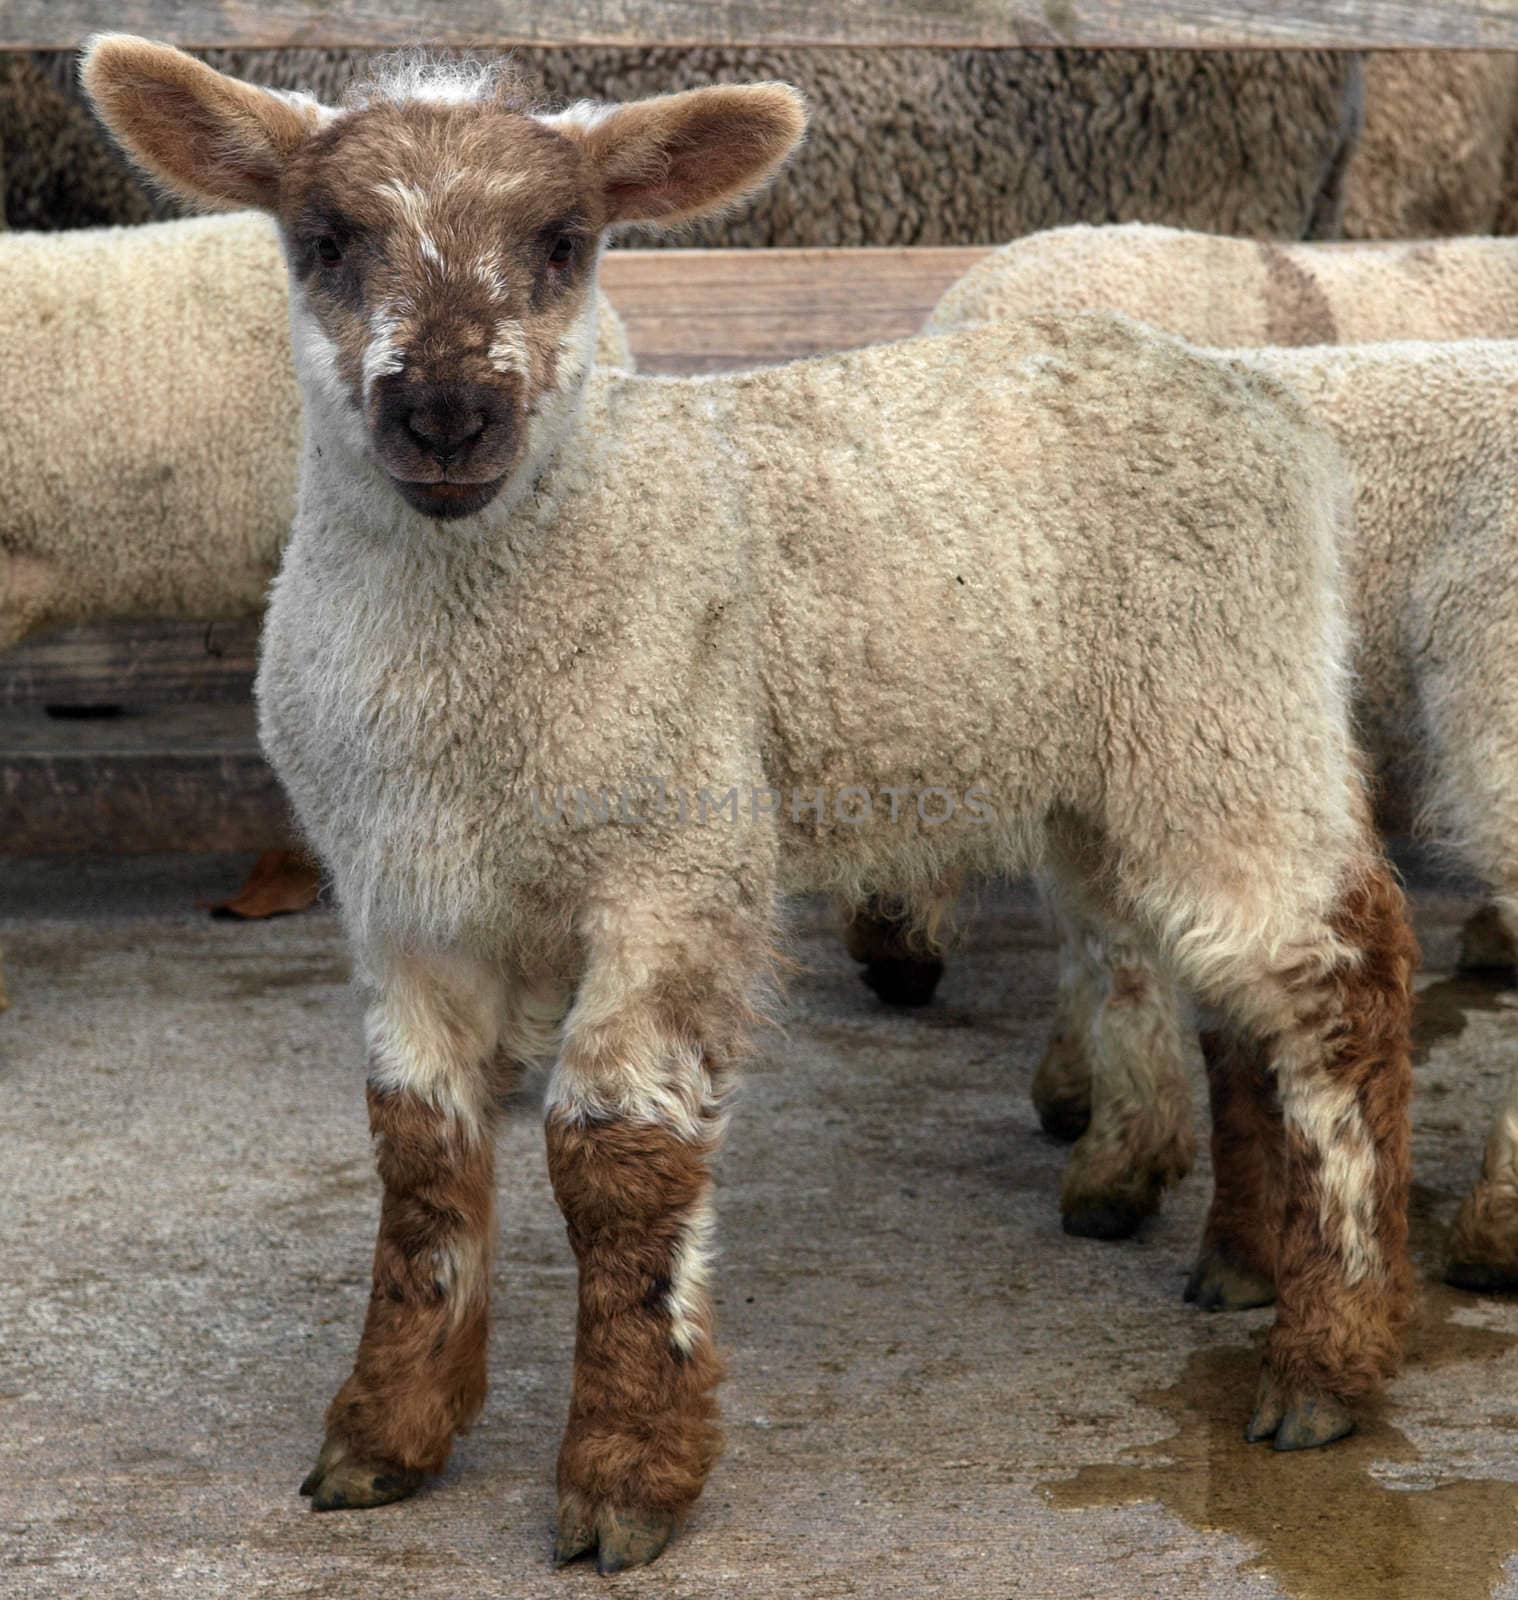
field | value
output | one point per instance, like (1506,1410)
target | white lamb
(1434,597)
(152,422)
(570,674)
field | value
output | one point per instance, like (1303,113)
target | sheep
(1435,154)
(935,146)
(169,389)
(169,383)
(567,688)
(1221,291)
(1425,428)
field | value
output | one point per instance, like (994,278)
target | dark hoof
(905,980)
(1105,1219)
(1065,1120)
(1218,1284)
(1300,1419)
(1481,1277)
(1486,948)
(340,1482)
(620,1539)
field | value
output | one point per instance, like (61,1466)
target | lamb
(1425,427)
(567,687)
(169,377)
(909,146)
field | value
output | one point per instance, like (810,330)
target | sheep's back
(1221,291)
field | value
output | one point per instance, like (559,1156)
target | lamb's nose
(447,420)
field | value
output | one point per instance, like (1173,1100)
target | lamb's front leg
(633,1120)
(419,1376)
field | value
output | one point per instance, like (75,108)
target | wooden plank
(190,779)
(718,310)
(132,663)
(1191,24)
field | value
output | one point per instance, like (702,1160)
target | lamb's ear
(209,138)
(687,155)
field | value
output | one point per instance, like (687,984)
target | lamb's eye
(560,251)
(328,250)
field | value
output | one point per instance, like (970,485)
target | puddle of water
(1441,1009)
(1323,1526)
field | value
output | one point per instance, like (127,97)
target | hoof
(1065,1120)
(619,1538)
(340,1482)
(1482,1277)
(1062,1090)
(1296,1419)
(903,980)
(1218,1284)
(1486,947)
(1106,1218)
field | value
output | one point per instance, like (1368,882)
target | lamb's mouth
(446,499)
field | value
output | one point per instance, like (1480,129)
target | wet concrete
(933,1389)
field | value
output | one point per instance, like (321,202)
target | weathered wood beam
(1186,24)
(187,778)
(720,310)
(150,662)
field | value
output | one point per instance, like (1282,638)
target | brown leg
(643,1432)
(633,1120)
(1344,1285)
(898,965)
(419,1375)
(1237,1265)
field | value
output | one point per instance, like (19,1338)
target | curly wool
(1439,150)
(1219,291)
(922,147)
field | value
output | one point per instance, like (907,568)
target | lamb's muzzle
(448,446)
(1107,563)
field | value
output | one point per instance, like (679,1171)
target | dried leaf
(281,881)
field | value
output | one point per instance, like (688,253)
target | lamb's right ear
(209,138)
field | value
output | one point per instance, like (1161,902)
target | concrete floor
(933,1391)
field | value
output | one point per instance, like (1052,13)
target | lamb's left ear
(687,155)
(208,137)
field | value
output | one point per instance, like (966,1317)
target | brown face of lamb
(443,243)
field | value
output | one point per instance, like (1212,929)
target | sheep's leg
(1486,943)
(1483,1249)
(1237,1265)
(899,963)
(419,1376)
(1139,1137)
(633,1120)
(1344,1077)
(1062,1079)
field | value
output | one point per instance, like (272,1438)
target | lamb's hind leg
(1236,1268)
(419,1376)
(1483,1245)
(1122,1022)
(633,1120)
(900,959)
(1340,1051)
